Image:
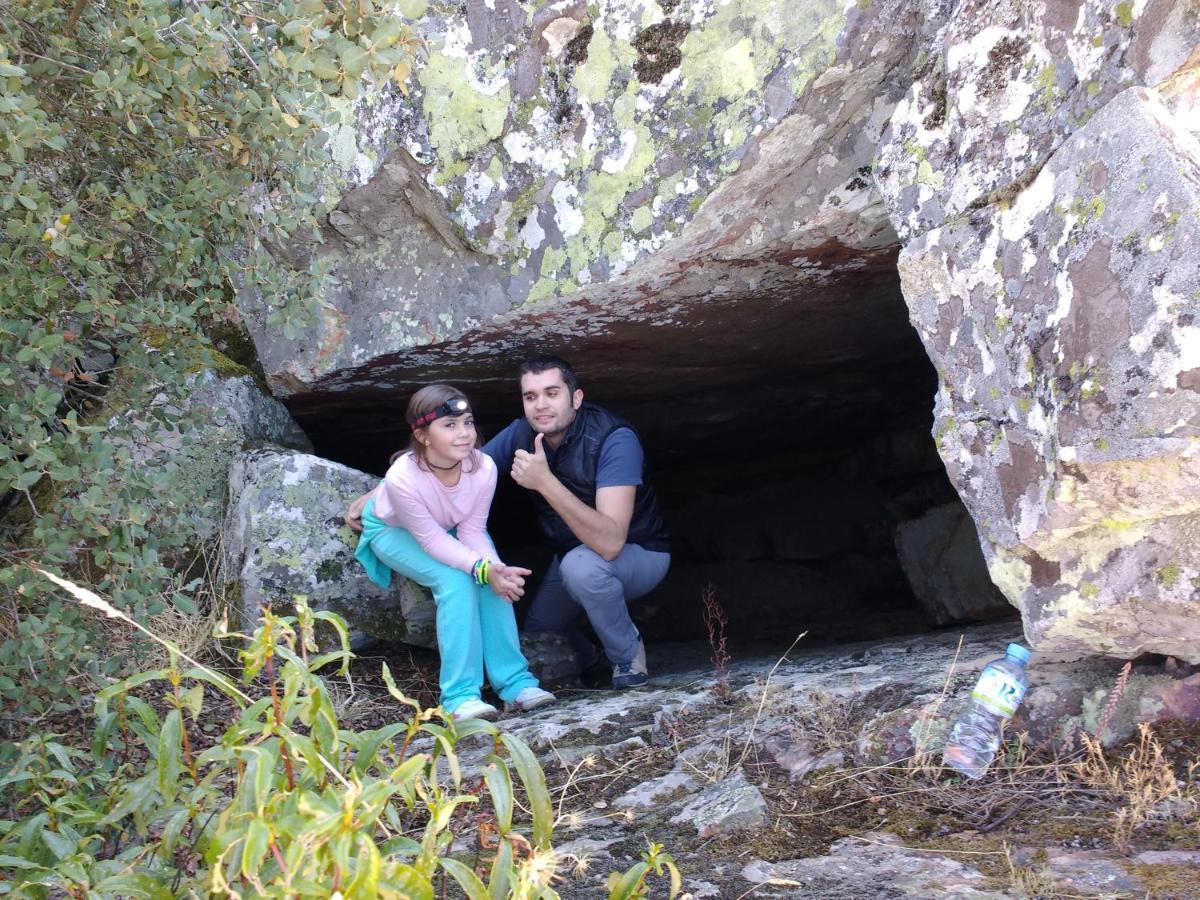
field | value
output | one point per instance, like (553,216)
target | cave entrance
(789,439)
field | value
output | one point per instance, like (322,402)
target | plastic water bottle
(976,735)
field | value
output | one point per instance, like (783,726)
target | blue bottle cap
(1018,651)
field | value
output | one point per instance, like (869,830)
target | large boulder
(284,535)
(191,436)
(1068,416)
(1048,211)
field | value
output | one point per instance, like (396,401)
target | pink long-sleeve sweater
(411,497)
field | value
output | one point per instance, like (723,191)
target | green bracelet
(480,570)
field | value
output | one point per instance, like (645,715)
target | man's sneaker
(531,698)
(633,673)
(475,709)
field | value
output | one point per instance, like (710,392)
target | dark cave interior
(787,441)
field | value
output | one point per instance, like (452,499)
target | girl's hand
(508,581)
(353,516)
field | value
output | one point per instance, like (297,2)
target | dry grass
(1126,799)
(193,633)
(1141,782)
(830,721)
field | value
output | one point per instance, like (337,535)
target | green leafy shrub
(286,803)
(151,153)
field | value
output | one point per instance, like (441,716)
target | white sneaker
(531,698)
(475,709)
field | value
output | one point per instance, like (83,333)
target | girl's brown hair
(426,400)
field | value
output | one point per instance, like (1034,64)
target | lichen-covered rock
(946,570)
(653,794)
(224,411)
(611,152)
(1068,697)
(284,535)
(727,805)
(799,756)
(550,658)
(1063,327)
(1005,84)
(1076,697)
(876,865)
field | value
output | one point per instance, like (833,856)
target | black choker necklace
(444,468)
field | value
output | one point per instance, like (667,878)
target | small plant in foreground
(285,804)
(631,883)
(715,621)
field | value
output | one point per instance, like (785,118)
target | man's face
(549,406)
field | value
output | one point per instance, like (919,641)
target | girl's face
(450,439)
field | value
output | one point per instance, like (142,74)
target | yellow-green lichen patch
(606,190)
(727,56)
(641,219)
(552,260)
(541,290)
(1011,574)
(926,175)
(1167,575)
(461,118)
(603,56)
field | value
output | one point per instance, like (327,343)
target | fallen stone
(700,889)
(873,865)
(798,757)
(729,805)
(569,757)
(940,555)
(284,535)
(1091,872)
(657,791)
(1169,857)
(587,848)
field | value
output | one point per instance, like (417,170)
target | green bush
(151,153)
(286,803)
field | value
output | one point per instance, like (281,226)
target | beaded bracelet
(480,570)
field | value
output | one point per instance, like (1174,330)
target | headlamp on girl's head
(453,407)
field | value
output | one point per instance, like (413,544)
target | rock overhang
(568,151)
(810,368)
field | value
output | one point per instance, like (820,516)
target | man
(586,471)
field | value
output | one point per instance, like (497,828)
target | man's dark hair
(536,365)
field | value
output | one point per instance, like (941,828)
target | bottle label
(999,692)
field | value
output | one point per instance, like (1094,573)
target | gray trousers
(582,584)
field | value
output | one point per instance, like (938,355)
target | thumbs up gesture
(532,470)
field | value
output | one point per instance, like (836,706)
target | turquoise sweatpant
(476,628)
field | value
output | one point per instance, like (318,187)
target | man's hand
(353,515)
(508,581)
(532,470)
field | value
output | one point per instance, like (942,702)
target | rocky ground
(816,773)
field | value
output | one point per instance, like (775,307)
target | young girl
(427,520)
